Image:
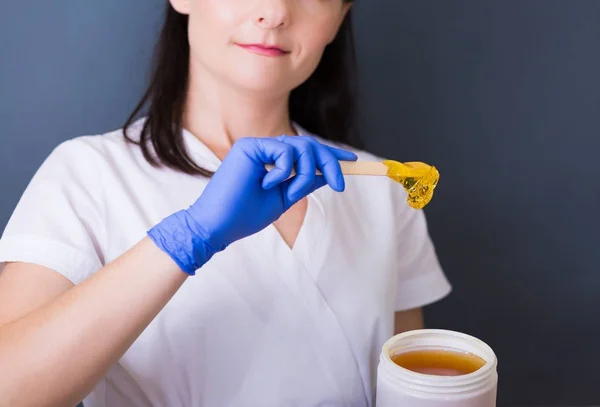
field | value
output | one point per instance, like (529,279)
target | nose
(273,14)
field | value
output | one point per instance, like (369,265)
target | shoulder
(100,145)
(60,219)
(88,155)
(84,171)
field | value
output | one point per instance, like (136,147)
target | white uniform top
(260,324)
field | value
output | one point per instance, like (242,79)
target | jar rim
(438,339)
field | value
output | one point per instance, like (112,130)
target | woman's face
(261,45)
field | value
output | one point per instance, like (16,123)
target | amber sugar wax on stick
(418,179)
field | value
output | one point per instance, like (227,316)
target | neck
(219,114)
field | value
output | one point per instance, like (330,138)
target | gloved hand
(243,198)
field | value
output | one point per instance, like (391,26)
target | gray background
(503,96)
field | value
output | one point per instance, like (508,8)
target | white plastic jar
(399,387)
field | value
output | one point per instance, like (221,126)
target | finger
(343,155)
(306,169)
(330,167)
(280,154)
(289,202)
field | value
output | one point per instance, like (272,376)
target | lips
(265,50)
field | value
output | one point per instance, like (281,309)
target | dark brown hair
(325,104)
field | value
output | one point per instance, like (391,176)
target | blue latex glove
(243,198)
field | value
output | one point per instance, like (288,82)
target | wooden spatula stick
(355,168)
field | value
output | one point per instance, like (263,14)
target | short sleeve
(421,280)
(58,220)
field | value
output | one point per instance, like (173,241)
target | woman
(134,276)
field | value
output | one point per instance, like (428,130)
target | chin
(268,82)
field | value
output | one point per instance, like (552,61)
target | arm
(408,320)
(58,340)
(68,344)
